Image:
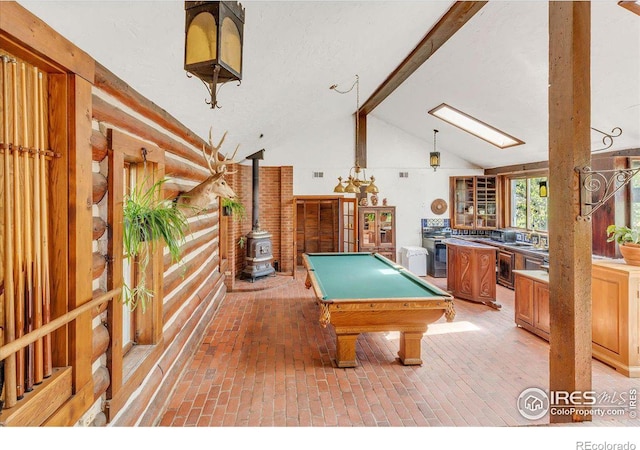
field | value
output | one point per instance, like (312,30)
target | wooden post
(569,238)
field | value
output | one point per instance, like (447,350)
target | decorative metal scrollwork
(607,139)
(606,181)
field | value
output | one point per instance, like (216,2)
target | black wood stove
(259,247)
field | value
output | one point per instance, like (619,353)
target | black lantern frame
(214,38)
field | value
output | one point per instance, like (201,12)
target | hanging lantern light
(213,43)
(434,156)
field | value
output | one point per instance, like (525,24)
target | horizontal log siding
(194,288)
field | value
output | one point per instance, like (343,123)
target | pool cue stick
(28,254)
(46,288)
(37,257)
(17,226)
(10,395)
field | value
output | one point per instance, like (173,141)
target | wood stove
(259,246)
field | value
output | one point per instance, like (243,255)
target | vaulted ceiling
(495,68)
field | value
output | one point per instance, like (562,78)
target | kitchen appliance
(433,240)
(503,235)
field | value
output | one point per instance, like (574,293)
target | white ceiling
(495,68)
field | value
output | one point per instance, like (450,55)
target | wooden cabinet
(615,298)
(317,226)
(471,271)
(377,230)
(506,261)
(532,301)
(615,295)
(474,202)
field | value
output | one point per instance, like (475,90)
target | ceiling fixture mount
(434,156)
(213,43)
(357,178)
(474,126)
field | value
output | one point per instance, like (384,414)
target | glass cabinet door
(385,228)
(369,230)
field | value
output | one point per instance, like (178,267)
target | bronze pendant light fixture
(357,177)
(213,43)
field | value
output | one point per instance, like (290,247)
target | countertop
(538,275)
(468,243)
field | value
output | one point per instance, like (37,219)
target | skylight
(474,126)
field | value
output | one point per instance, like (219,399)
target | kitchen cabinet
(474,201)
(377,230)
(471,271)
(531,304)
(506,261)
(615,297)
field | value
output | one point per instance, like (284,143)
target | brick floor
(266,362)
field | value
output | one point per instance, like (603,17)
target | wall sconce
(213,43)
(434,156)
(543,189)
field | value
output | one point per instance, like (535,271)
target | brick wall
(275,216)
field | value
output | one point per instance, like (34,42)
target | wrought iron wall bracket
(606,181)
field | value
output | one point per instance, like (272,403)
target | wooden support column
(80,223)
(569,238)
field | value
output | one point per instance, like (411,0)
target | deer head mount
(200,197)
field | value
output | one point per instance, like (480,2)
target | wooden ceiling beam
(452,21)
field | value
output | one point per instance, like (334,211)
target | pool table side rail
(322,295)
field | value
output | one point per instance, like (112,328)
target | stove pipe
(257,156)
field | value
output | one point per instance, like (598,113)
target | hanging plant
(149,220)
(233,207)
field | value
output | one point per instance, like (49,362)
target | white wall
(389,151)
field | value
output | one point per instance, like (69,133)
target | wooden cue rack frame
(25,282)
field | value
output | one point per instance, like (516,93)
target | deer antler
(217,166)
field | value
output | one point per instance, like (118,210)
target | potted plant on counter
(628,241)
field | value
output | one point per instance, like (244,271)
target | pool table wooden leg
(346,350)
(410,348)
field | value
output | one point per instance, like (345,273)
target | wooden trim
(133,382)
(450,23)
(80,248)
(115,268)
(541,165)
(131,147)
(632,6)
(41,403)
(20,30)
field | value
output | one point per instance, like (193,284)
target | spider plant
(235,208)
(149,220)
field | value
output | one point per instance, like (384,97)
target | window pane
(537,205)
(519,203)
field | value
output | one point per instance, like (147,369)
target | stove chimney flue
(259,246)
(255,179)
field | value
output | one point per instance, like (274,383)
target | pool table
(366,292)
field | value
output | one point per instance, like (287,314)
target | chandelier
(357,178)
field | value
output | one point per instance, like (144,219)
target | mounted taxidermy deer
(200,197)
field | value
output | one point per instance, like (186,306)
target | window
(528,208)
